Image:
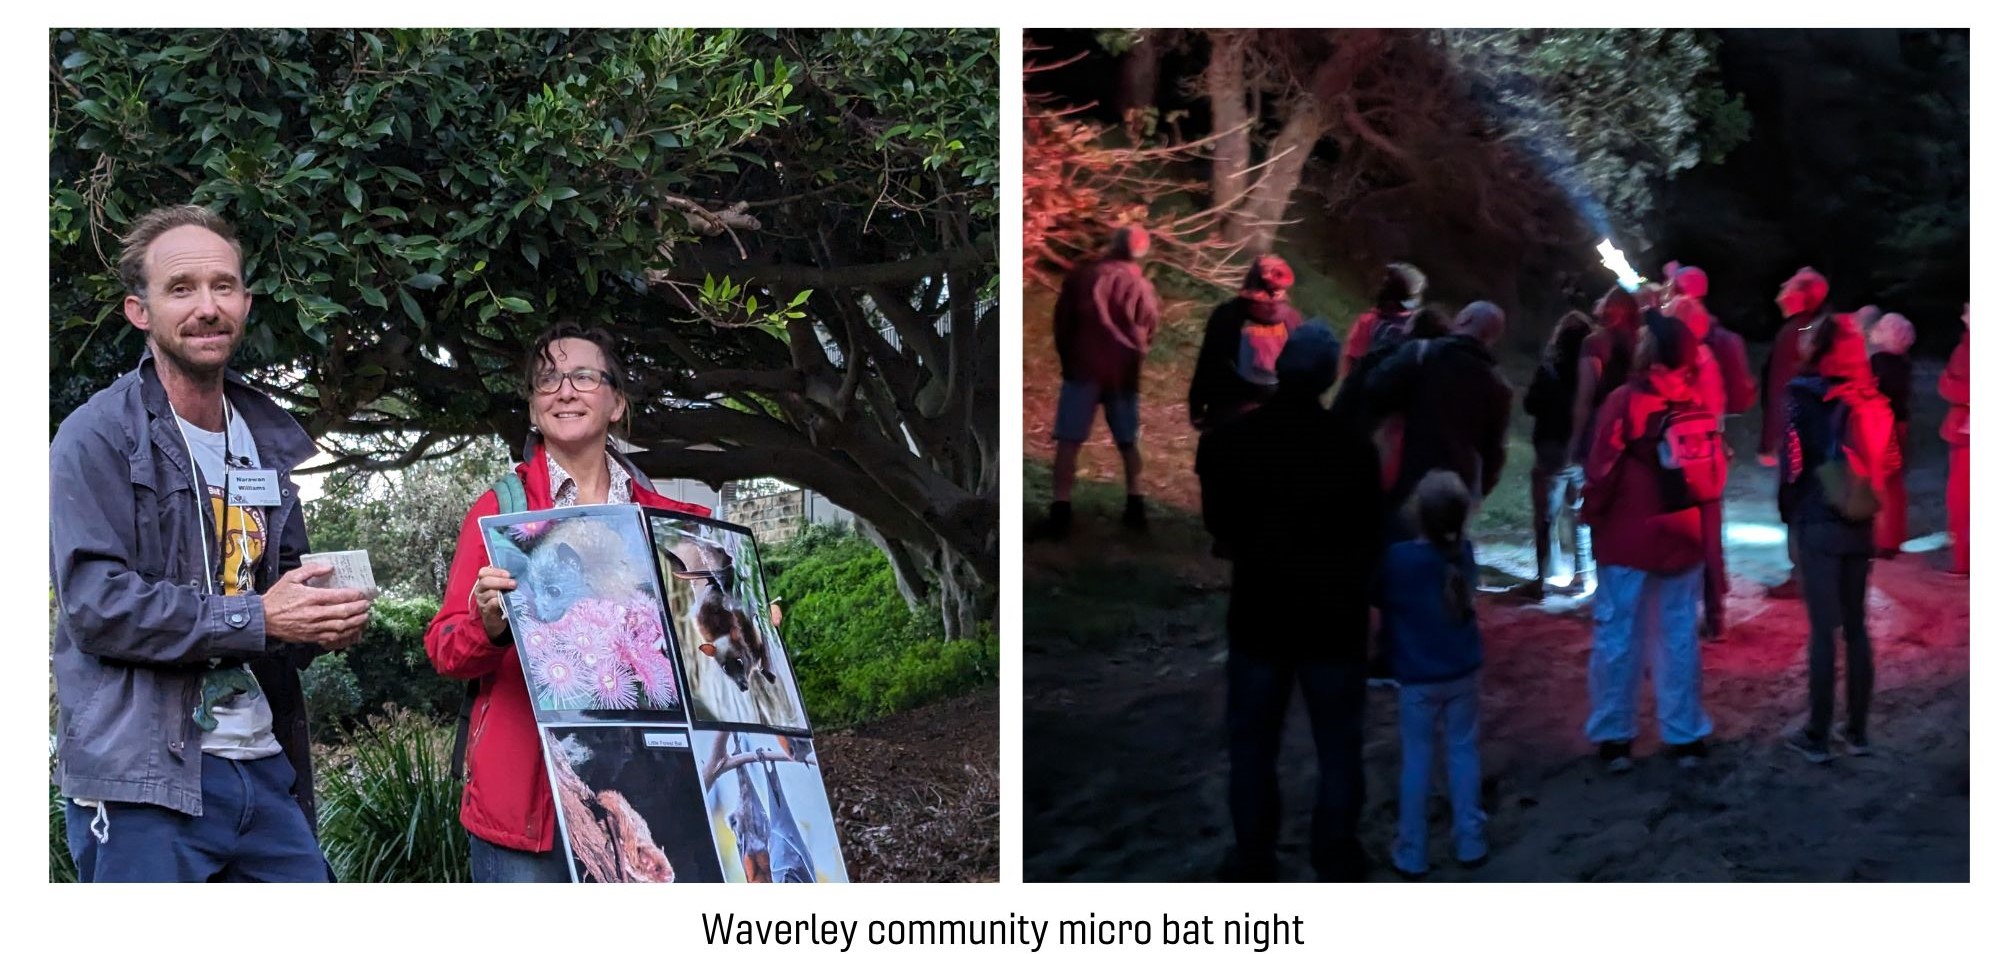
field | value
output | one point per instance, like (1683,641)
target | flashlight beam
(1615,261)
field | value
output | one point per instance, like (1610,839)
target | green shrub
(332,696)
(62,869)
(388,806)
(858,651)
(390,667)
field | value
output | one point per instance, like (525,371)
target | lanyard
(212,563)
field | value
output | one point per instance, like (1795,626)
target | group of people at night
(1339,482)
(185,610)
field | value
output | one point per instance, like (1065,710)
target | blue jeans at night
(497,864)
(1646,617)
(249,829)
(1447,711)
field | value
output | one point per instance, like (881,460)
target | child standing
(1425,594)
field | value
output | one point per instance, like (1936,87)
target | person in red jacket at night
(1650,556)
(1105,317)
(1955,386)
(576,392)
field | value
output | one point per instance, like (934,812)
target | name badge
(253,488)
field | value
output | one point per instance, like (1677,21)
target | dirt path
(1126,771)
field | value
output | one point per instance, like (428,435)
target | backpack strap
(513,498)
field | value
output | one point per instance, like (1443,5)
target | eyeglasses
(582,379)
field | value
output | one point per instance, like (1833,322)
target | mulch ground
(916,795)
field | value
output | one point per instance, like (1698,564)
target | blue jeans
(249,829)
(1451,710)
(496,864)
(1076,410)
(1260,690)
(1639,616)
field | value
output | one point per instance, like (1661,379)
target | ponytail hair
(1442,505)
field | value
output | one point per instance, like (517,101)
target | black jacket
(1293,493)
(1218,391)
(1455,408)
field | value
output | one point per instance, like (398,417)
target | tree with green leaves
(792,231)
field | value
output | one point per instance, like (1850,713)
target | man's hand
(493,582)
(295,612)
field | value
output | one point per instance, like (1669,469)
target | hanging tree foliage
(792,231)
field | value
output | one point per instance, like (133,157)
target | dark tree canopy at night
(1499,158)
(792,232)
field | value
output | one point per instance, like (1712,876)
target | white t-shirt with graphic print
(243,721)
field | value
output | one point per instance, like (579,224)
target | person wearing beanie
(1802,300)
(1649,558)
(1383,327)
(1289,491)
(1955,386)
(1235,370)
(1890,338)
(1839,431)
(1105,317)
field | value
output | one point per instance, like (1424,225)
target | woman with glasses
(576,393)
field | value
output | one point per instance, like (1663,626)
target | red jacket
(1105,317)
(507,800)
(1955,386)
(1623,498)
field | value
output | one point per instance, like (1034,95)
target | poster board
(673,731)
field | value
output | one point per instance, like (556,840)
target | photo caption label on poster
(1258,934)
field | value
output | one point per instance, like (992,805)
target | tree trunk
(1265,206)
(1139,76)
(936,579)
(1228,102)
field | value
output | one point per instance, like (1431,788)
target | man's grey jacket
(136,626)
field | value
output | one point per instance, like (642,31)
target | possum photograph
(587,615)
(737,671)
(626,799)
(768,808)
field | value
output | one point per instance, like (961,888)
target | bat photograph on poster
(768,809)
(630,805)
(737,670)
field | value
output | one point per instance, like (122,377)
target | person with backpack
(1384,327)
(1454,402)
(575,387)
(1425,592)
(1289,491)
(1655,458)
(1890,338)
(1105,317)
(1955,386)
(1556,488)
(1839,445)
(1802,300)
